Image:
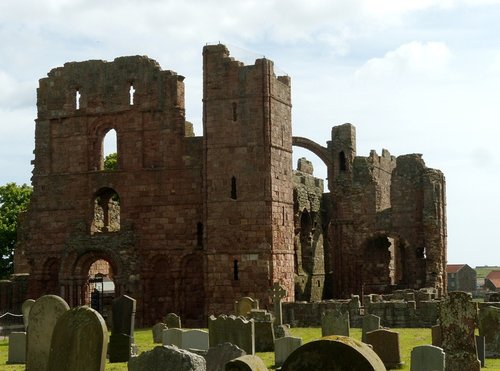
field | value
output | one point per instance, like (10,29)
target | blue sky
(412,76)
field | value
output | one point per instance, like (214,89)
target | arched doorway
(100,287)
(193,300)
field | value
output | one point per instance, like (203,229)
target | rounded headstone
(334,353)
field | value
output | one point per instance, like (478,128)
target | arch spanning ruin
(188,224)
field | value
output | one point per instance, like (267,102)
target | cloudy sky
(413,76)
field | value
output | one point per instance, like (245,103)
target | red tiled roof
(493,275)
(454,268)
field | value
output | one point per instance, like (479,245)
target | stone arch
(50,275)
(384,262)
(192,305)
(318,150)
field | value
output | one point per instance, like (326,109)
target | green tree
(14,199)
(111,161)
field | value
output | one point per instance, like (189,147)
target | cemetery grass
(409,338)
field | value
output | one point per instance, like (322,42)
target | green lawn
(409,338)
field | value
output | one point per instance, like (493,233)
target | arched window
(109,151)
(106,216)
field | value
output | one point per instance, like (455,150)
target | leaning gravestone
(121,340)
(167,358)
(246,363)
(427,358)
(157,332)
(218,356)
(79,341)
(42,320)
(235,330)
(371,322)
(17,348)
(334,353)
(458,319)
(25,309)
(172,320)
(386,344)
(283,347)
(489,327)
(335,322)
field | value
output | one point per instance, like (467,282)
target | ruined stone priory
(188,224)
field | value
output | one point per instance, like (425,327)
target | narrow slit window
(235,270)
(131,93)
(283,215)
(77,99)
(235,111)
(199,234)
(342,161)
(234,194)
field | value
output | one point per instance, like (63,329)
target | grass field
(409,338)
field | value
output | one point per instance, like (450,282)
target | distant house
(461,277)
(492,281)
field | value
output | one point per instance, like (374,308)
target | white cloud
(415,58)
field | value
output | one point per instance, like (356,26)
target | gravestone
(277,293)
(121,341)
(436,335)
(335,322)
(25,309)
(489,327)
(195,339)
(280,331)
(427,358)
(158,332)
(334,353)
(172,336)
(79,341)
(218,356)
(283,347)
(264,330)
(458,319)
(481,349)
(167,358)
(235,330)
(42,319)
(371,322)
(246,363)
(243,306)
(17,348)
(172,320)
(386,344)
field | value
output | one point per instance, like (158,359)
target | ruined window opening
(77,99)
(106,217)
(199,234)
(131,93)
(109,151)
(235,111)
(319,284)
(235,270)
(342,161)
(234,195)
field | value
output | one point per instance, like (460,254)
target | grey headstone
(172,320)
(386,344)
(481,349)
(280,331)
(334,353)
(79,341)
(246,363)
(42,320)
(195,339)
(371,322)
(173,336)
(17,348)
(235,330)
(25,309)
(218,356)
(458,318)
(158,332)
(264,330)
(436,335)
(335,322)
(283,347)
(489,327)
(167,358)
(121,341)
(427,358)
